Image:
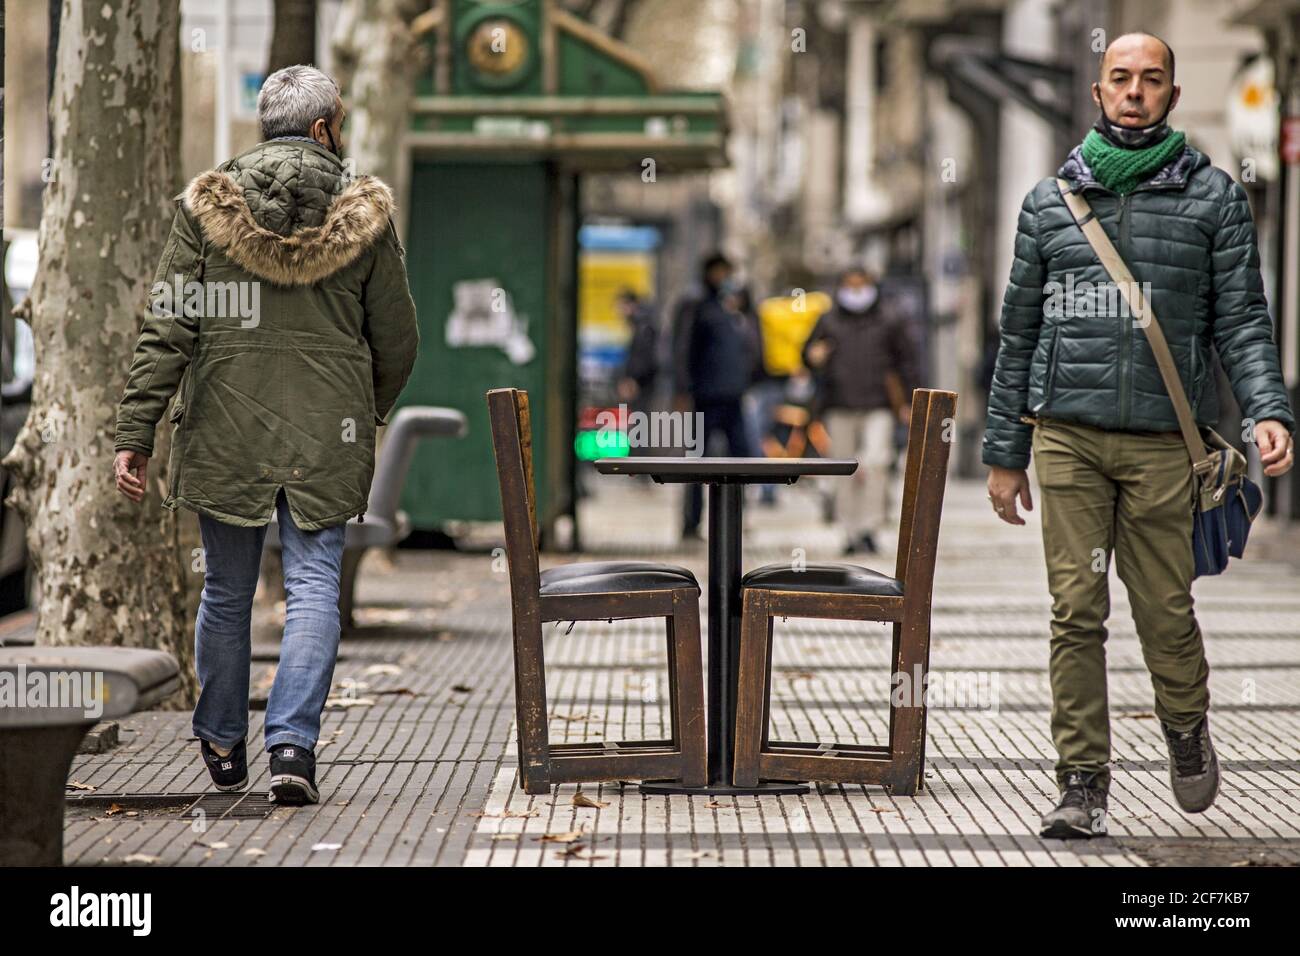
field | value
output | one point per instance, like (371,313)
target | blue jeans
(223,640)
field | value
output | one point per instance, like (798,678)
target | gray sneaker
(1081,814)
(1193,766)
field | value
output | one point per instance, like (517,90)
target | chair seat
(598,577)
(823,579)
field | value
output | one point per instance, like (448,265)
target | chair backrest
(512,443)
(929,439)
(408,426)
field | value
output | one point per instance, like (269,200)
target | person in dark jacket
(276,410)
(1077,383)
(641,367)
(716,351)
(867,366)
(636,379)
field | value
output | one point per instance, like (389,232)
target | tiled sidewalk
(417,763)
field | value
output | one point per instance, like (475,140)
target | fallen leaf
(461,688)
(78,785)
(580,799)
(405,691)
(578,851)
(326,846)
(505,836)
(343,703)
(219,845)
(375,670)
(139,858)
(580,715)
(113,809)
(573,836)
(254,851)
(509,814)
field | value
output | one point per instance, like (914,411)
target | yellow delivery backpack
(786,322)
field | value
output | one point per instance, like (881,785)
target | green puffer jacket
(1067,353)
(288,350)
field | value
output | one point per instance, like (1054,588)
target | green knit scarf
(1119,169)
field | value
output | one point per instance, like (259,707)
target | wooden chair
(849,592)
(590,591)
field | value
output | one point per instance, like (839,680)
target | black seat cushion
(823,578)
(597,577)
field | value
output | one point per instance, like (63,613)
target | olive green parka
(281,320)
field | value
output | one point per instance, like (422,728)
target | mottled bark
(377,56)
(293,34)
(111,572)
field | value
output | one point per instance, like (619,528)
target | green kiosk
(521,99)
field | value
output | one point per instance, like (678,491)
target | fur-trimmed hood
(319,233)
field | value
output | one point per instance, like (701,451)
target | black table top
(726,470)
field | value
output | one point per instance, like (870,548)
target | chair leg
(686,680)
(530,709)
(751,687)
(907,722)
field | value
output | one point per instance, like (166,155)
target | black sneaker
(1193,766)
(229,772)
(293,775)
(1081,813)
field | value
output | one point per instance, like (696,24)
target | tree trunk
(293,34)
(111,572)
(377,57)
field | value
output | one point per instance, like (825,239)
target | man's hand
(129,468)
(818,353)
(1006,485)
(1276,450)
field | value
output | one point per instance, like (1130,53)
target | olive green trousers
(1130,496)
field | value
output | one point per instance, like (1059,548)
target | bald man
(1076,384)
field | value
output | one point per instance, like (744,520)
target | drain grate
(179,806)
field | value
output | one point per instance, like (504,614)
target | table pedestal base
(663,788)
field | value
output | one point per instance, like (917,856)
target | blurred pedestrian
(715,357)
(637,377)
(866,367)
(277,408)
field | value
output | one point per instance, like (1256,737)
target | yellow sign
(601,277)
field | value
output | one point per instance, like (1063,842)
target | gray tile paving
(419,768)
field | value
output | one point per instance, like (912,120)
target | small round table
(725,478)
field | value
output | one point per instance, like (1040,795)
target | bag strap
(1128,287)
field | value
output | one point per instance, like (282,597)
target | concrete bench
(49,698)
(384,525)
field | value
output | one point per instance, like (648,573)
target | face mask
(333,148)
(1133,138)
(856,299)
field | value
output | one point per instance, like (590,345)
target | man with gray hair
(276,407)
